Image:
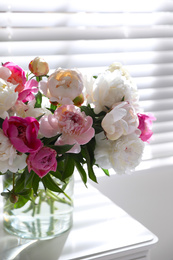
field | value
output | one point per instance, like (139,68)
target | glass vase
(49,215)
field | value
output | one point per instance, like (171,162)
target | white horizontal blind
(91,35)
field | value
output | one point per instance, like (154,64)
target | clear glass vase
(49,215)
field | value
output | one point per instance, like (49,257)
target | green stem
(13,182)
(53,196)
(39,204)
(52,207)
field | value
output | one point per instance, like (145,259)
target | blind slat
(9,19)
(158,151)
(87,6)
(154,94)
(70,33)
(86,47)
(138,58)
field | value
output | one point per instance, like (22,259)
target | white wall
(148,197)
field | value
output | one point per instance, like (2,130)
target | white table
(101,230)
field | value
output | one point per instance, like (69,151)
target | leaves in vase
(22,200)
(35,183)
(68,166)
(81,171)
(51,184)
(20,183)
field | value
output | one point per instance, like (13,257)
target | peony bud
(39,67)
(78,101)
(13,198)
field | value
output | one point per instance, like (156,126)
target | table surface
(99,228)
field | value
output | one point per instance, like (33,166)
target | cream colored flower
(63,86)
(39,67)
(121,120)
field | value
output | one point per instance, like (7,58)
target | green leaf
(89,160)
(88,110)
(61,149)
(39,117)
(51,184)
(21,202)
(53,107)
(1,122)
(98,129)
(20,183)
(81,172)
(57,174)
(47,141)
(106,171)
(68,166)
(25,192)
(38,98)
(35,183)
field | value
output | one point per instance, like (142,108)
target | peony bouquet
(52,124)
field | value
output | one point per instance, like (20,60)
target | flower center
(71,123)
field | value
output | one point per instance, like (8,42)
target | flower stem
(13,182)
(53,196)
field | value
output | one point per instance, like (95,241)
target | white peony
(123,155)
(118,66)
(110,88)
(24,110)
(121,120)
(8,97)
(88,90)
(9,159)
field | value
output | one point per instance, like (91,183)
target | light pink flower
(17,76)
(30,87)
(75,127)
(63,86)
(145,124)
(121,120)
(22,133)
(42,161)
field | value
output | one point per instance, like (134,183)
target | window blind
(91,35)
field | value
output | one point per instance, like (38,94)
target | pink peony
(17,76)
(42,161)
(145,124)
(30,87)
(22,133)
(75,127)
